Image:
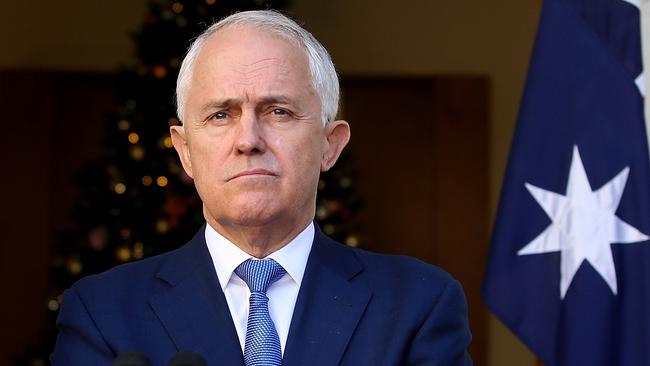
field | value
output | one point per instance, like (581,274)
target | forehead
(245,51)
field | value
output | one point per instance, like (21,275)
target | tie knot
(259,273)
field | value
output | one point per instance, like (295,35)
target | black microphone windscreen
(131,359)
(187,358)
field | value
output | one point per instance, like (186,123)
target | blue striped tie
(262,346)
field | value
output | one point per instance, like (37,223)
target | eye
(281,115)
(219,115)
(280,112)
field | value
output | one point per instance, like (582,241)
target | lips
(253,172)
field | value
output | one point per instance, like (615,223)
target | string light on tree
(147,180)
(74,266)
(162,226)
(352,241)
(120,188)
(162,181)
(123,253)
(53,305)
(138,250)
(159,72)
(167,142)
(134,138)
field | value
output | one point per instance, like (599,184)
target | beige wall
(365,37)
(68,35)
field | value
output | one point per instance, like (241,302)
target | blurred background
(430,88)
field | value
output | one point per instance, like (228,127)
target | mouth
(253,173)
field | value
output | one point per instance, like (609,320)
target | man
(260,284)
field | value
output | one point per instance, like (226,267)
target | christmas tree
(137,201)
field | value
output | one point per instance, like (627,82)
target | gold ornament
(123,253)
(352,241)
(134,138)
(147,180)
(162,226)
(74,266)
(167,142)
(119,188)
(53,305)
(162,181)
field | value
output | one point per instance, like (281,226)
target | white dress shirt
(282,294)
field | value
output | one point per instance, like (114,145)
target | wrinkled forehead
(247,42)
(248,64)
(242,56)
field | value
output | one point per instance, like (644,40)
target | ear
(179,139)
(337,134)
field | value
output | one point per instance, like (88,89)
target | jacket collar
(193,309)
(332,298)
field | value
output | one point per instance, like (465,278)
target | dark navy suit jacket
(354,308)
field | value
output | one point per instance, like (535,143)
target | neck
(260,240)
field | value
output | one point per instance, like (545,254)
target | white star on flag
(584,225)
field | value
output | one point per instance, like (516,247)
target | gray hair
(323,74)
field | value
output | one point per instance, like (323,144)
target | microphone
(132,359)
(187,358)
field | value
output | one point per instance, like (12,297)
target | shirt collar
(226,256)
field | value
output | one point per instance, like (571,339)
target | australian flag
(569,266)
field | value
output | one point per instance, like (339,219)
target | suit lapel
(193,309)
(329,305)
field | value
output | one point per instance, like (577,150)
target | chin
(255,212)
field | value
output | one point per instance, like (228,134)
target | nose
(250,139)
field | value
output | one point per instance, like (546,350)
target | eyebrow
(218,104)
(229,102)
(272,99)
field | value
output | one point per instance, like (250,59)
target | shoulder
(132,273)
(122,283)
(143,278)
(390,275)
(408,273)
(428,300)
(401,266)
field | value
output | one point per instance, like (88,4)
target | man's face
(253,139)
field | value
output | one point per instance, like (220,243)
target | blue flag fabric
(569,266)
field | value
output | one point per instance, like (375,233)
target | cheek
(306,161)
(207,161)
